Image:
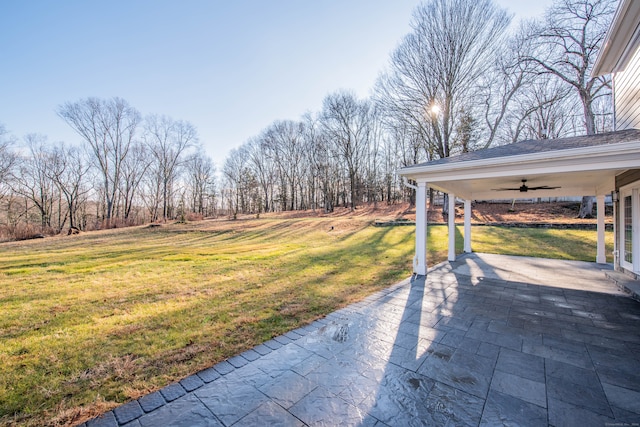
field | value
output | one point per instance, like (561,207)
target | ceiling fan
(524,188)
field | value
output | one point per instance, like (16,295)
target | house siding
(627,178)
(627,95)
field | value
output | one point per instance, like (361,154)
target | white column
(635,240)
(452,227)
(420,260)
(616,237)
(467,226)
(601,257)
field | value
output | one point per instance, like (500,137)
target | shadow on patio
(485,340)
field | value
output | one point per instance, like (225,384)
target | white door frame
(630,193)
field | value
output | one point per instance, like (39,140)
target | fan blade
(543,187)
(506,189)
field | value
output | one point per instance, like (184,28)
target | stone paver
(128,412)
(151,401)
(172,392)
(486,340)
(192,382)
(209,375)
(187,411)
(230,399)
(288,388)
(104,420)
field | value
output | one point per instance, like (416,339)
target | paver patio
(486,340)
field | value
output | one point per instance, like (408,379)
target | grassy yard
(91,321)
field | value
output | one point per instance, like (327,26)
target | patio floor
(487,340)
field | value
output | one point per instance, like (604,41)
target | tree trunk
(445,204)
(586,207)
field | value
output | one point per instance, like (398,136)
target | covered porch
(579,166)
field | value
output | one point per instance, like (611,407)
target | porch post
(452,227)
(616,237)
(420,260)
(467,226)
(601,257)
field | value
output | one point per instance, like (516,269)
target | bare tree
(372,182)
(201,175)
(7,159)
(32,179)
(567,44)
(508,76)
(168,140)
(108,127)
(318,158)
(450,49)
(401,147)
(265,170)
(133,171)
(152,191)
(323,160)
(548,107)
(240,179)
(68,171)
(284,144)
(347,122)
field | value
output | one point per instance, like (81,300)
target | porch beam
(467,226)
(452,227)
(601,256)
(420,259)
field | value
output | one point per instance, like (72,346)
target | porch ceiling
(588,183)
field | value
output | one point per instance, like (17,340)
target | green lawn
(90,321)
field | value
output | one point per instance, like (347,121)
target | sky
(231,68)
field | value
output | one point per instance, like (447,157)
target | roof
(577,166)
(539,146)
(622,40)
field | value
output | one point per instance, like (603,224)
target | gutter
(405,181)
(564,155)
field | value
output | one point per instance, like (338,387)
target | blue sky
(229,67)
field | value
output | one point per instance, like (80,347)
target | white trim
(623,262)
(635,215)
(616,238)
(601,157)
(467,226)
(601,256)
(452,227)
(621,39)
(420,259)
(629,191)
(606,161)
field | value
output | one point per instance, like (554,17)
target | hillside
(557,213)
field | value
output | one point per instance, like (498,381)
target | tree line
(460,80)
(129,170)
